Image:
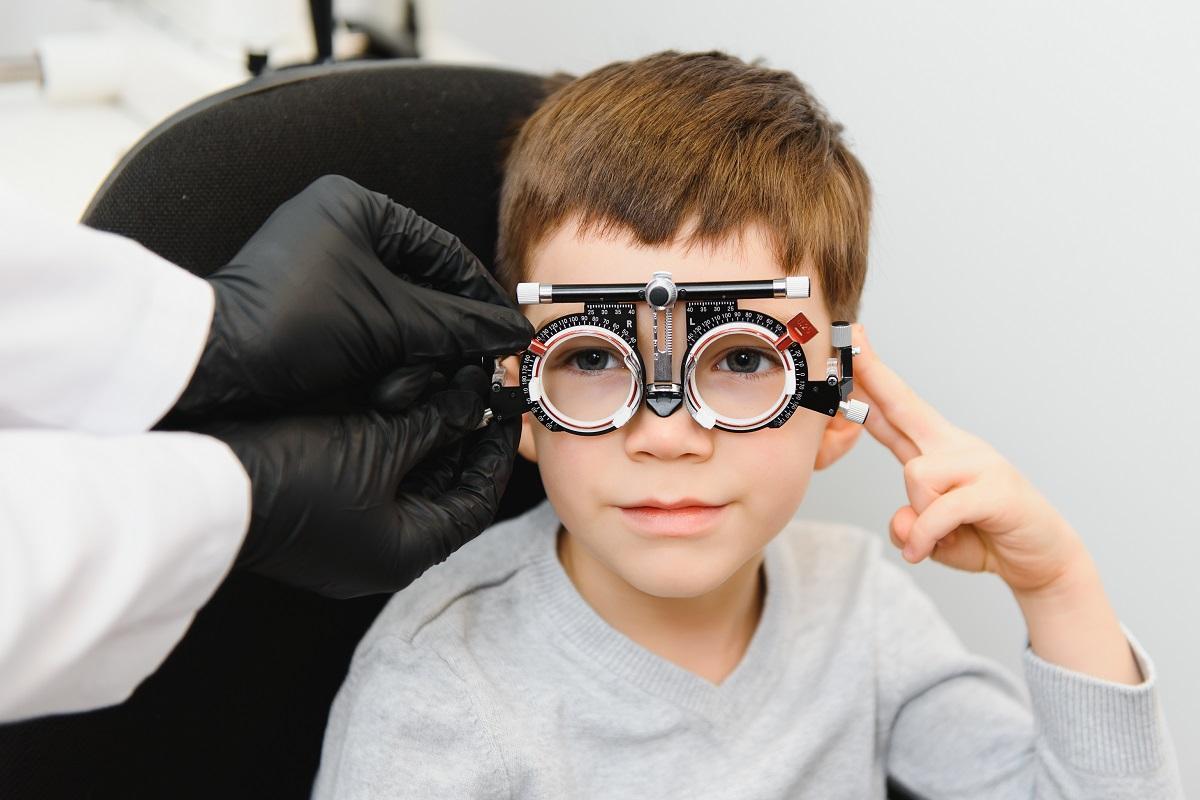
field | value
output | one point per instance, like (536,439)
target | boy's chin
(678,581)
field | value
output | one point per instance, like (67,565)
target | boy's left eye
(742,360)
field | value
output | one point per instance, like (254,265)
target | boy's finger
(944,515)
(929,476)
(905,410)
(900,525)
(885,433)
(962,549)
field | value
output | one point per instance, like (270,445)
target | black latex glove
(364,503)
(313,304)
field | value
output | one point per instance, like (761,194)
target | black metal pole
(322,22)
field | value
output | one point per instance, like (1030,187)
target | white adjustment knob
(796,287)
(528,294)
(854,410)
(840,334)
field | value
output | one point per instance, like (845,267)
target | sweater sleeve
(404,725)
(957,725)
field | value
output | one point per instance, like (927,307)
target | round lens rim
(702,411)
(629,358)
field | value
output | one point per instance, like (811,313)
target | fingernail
(909,553)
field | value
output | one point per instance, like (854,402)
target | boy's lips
(686,517)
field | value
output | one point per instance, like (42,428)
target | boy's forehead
(572,255)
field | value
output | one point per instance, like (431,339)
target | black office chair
(239,707)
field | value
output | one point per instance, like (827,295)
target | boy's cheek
(560,457)
(778,467)
(768,468)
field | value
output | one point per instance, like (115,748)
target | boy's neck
(706,635)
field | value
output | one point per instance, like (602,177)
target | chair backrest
(239,707)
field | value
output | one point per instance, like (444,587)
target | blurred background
(1036,241)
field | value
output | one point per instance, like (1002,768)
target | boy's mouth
(685,517)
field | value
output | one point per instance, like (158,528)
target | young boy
(662,626)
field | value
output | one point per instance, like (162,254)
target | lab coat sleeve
(97,333)
(108,546)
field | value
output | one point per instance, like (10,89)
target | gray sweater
(490,677)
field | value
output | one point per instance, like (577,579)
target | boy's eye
(743,360)
(592,359)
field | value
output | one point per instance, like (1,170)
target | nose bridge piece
(664,405)
(663,395)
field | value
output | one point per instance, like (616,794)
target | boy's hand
(968,507)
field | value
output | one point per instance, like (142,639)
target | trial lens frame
(611,309)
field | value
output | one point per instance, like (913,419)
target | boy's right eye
(591,359)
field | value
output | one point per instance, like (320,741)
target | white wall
(1035,255)
(23,22)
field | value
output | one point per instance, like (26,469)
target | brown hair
(649,144)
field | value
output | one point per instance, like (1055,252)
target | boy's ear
(837,440)
(526,447)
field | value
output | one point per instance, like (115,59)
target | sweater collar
(601,647)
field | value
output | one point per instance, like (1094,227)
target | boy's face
(748,485)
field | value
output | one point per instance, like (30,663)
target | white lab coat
(110,537)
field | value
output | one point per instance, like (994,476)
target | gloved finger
(400,389)
(438,473)
(486,468)
(470,378)
(445,418)
(440,326)
(435,475)
(397,398)
(408,243)
(460,514)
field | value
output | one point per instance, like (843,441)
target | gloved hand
(315,303)
(364,503)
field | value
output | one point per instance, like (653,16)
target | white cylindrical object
(841,334)
(855,410)
(81,67)
(527,294)
(797,286)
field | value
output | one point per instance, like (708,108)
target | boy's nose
(673,437)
